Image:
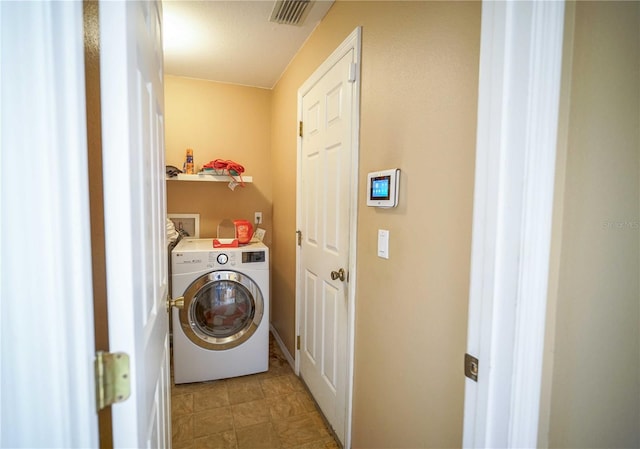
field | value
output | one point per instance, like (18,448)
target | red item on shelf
(226,166)
(225,243)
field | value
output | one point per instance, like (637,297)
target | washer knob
(222,258)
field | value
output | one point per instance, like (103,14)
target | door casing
(520,69)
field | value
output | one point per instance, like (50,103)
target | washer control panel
(219,259)
(192,255)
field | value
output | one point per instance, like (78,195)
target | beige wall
(219,121)
(419,101)
(593,347)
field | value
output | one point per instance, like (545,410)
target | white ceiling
(232,41)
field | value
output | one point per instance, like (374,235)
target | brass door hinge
(299,234)
(298,343)
(300,128)
(471,367)
(113,382)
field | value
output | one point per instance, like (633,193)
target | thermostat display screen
(383,187)
(380,188)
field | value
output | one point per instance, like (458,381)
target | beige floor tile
(327,443)
(192,387)
(277,386)
(260,436)
(279,365)
(296,383)
(183,445)
(223,440)
(216,395)
(270,374)
(250,413)
(181,430)
(246,390)
(181,404)
(291,404)
(210,422)
(271,410)
(301,429)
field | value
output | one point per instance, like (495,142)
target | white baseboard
(283,348)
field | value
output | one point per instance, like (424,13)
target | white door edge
(352,42)
(134,203)
(47,386)
(520,68)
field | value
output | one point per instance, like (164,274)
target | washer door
(221,310)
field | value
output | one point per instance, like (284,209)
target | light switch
(383,243)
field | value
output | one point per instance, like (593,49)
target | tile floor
(271,410)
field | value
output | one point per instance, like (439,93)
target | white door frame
(352,42)
(520,68)
(47,393)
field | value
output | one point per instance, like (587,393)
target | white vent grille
(290,12)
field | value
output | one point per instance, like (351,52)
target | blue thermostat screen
(380,188)
(383,187)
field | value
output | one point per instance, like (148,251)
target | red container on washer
(244,231)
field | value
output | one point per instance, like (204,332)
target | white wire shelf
(206,177)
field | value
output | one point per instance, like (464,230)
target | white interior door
(325,210)
(135,210)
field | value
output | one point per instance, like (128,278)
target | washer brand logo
(180,255)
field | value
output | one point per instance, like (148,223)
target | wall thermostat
(383,187)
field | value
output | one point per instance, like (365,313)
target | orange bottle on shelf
(188,164)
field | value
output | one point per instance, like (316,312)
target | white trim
(520,67)
(352,42)
(47,392)
(283,347)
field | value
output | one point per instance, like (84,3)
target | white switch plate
(383,243)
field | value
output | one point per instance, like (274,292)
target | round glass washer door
(221,310)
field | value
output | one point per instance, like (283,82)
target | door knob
(338,274)
(177,303)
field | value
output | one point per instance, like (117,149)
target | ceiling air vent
(290,12)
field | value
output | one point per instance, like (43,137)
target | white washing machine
(223,329)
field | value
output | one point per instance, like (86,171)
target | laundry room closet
(219,121)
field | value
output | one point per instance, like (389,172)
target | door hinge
(299,234)
(298,342)
(471,366)
(113,383)
(300,128)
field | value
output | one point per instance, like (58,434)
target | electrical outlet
(257,217)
